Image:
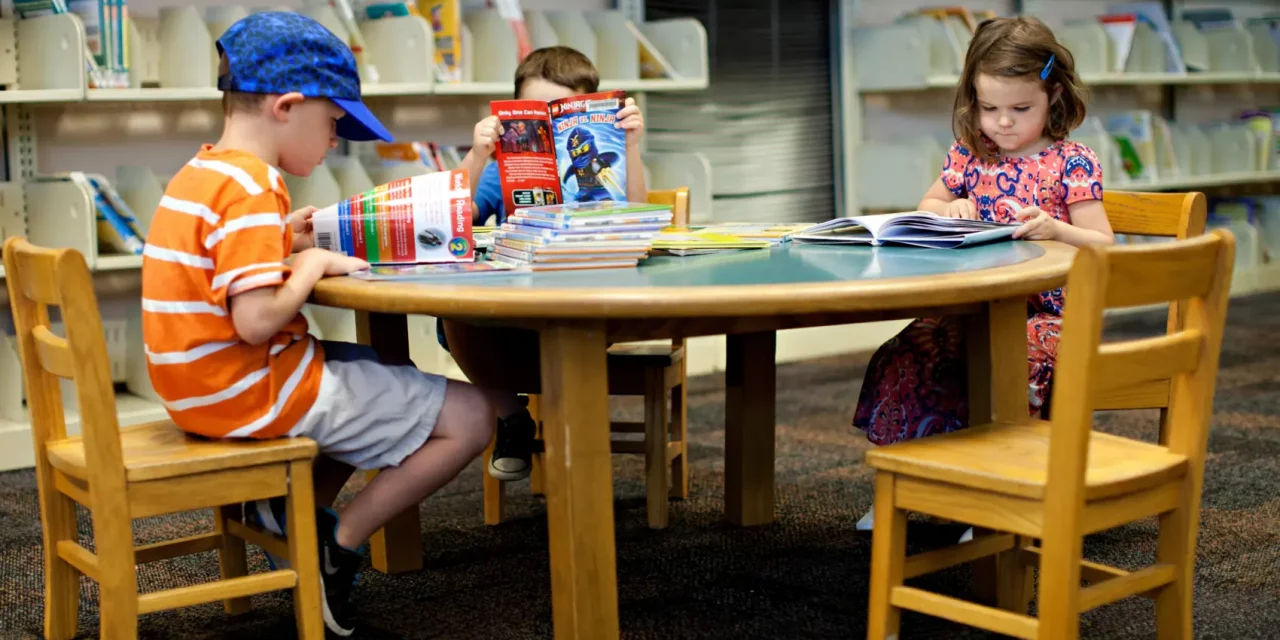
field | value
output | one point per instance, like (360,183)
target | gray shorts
(368,414)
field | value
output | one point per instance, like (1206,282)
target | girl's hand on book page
(485,138)
(961,208)
(630,119)
(1036,225)
(300,225)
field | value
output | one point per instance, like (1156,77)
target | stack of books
(579,235)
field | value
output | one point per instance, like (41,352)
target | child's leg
(503,362)
(462,431)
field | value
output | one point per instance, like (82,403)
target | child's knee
(467,416)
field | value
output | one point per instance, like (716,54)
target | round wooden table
(747,296)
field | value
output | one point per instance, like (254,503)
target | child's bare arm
(940,200)
(484,140)
(260,313)
(631,120)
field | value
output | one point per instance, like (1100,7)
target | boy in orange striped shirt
(227,347)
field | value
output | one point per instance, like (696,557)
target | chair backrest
(1184,361)
(39,278)
(1170,215)
(678,200)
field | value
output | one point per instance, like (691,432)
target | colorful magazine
(426,218)
(567,150)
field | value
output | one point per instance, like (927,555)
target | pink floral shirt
(1061,175)
(1054,179)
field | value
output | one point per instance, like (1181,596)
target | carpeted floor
(803,577)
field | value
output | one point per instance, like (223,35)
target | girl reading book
(1018,98)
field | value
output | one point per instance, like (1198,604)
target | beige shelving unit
(41,69)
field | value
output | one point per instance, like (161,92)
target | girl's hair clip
(1048,66)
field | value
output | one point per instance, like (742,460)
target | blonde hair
(1018,48)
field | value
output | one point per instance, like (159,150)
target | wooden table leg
(578,478)
(749,423)
(998,374)
(397,547)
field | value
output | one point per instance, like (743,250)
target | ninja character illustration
(592,169)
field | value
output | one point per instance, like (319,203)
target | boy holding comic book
(502,360)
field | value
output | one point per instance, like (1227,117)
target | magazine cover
(590,152)
(422,219)
(567,150)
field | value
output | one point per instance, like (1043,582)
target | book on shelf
(434,156)
(566,150)
(445,17)
(430,271)
(422,219)
(587,235)
(118,229)
(911,228)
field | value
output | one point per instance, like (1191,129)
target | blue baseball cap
(282,52)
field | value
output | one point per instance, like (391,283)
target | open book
(566,150)
(916,228)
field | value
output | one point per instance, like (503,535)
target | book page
(591,151)
(526,155)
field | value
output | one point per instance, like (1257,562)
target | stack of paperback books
(579,235)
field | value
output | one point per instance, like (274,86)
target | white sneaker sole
(329,622)
(508,476)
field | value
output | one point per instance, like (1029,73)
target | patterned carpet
(803,577)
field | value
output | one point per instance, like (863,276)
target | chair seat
(158,450)
(1013,459)
(644,354)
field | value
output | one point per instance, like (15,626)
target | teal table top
(786,264)
(811,278)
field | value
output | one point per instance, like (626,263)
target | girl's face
(1013,112)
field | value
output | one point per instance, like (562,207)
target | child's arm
(940,200)
(300,224)
(1089,225)
(260,313)
(630,119)
(484,140)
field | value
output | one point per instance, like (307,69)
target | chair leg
(304,551)
(655,445)
(493,490)
(680,433)
(61,580)
(537,474)
(1177,546)
(1013,578)
(1058,604)
(118,590)
(232,562)
(888,555)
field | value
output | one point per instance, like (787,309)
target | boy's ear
(281,105)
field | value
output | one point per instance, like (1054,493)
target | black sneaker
(513,449)
(338,573)
(269,515)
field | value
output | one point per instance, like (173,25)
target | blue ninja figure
(589,166)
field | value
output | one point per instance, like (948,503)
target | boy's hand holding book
(630,119)
(300,224)
(484,139)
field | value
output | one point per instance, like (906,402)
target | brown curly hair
(1018,48)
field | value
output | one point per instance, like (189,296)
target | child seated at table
(1018,98)
(226,345)
(503,361)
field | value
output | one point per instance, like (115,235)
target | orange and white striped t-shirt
(220,230)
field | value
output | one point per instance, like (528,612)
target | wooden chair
(1059,481)
(646,369)
(153,469)
(1169,215)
